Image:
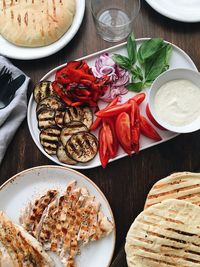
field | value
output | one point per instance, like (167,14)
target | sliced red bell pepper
(123,131)
(113,111)
(148,130)
(111,136)
(103,149)
(98,121)
(151,118)
(139,98)
(135,125)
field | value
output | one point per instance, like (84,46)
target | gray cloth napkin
(12,116)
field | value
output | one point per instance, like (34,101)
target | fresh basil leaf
(131,48)
(135,87)
(157,64)
(149,48)
(122,61)
(137,73)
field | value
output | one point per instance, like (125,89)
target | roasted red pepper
(148,130)
(135,126)
(60,93)
(79,85)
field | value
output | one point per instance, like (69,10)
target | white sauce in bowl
(178,102)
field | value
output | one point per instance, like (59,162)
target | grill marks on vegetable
(58,124)
(82,146)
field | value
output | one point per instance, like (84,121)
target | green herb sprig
(146,63)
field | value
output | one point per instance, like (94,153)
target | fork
(5,77)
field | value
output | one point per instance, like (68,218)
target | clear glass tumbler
(114,18)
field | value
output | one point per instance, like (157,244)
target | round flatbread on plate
(166,234)
(35,23)
(181,185)
(33,30)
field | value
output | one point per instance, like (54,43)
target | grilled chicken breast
(70,221)
(22,248)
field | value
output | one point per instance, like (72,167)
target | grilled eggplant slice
(46,118)
(84,115)
(42,90)
(72,114)
(82,147)
(51,102)
(87,117)
(70,129)
(59,118)
(62,155)
(49,139)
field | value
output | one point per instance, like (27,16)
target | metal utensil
(7,94)
(5,77)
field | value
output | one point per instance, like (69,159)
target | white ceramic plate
(179,59)
(24,186)
(181,10)
(25,53)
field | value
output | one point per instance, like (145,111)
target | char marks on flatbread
(34,23)
(166,234)
(182,185)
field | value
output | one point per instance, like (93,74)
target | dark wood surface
(125,182)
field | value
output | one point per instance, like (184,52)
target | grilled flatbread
(166,234)
(23,249)
(34,23)
(182,185)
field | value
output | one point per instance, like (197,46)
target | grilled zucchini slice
(49,138)
(51,102)
(62,155)
(46,118)
(70,129)
(82,147)
(42,90)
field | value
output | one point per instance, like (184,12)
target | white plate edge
(162,11)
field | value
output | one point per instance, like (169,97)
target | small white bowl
(170,75)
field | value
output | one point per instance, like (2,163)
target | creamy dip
(178,102)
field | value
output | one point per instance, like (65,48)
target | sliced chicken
(32,215)
(24,250)
(69,222)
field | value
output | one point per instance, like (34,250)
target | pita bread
(23,249)
(166,234)
(181,185)
(34,23)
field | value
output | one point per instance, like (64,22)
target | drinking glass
(114,18)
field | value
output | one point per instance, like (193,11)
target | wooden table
(125,182)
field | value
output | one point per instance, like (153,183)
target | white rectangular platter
(179,59)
